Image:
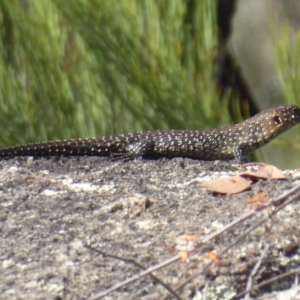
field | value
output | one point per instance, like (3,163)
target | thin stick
(129,260)
(135,277)
(281,276)
(260,222)
(255,269)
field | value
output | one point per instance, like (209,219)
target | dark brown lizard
(230,142)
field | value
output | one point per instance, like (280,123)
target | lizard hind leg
(133,151)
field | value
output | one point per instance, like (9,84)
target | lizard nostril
(277,120)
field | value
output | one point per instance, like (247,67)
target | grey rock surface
(51,208)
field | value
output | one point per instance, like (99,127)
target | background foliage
(88,68)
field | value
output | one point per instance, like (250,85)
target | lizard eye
(277,120)
(296,111)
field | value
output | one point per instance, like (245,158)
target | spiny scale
(234,141)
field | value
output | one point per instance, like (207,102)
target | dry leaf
(229,185)
(183,255)
(265,171)
(214,257)
(258,199)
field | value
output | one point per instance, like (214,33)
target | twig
(236,221)
(214,235)
(255,269)
(286,194)
(205,290)
(135,277)
(251,213)
(245,216)
(205,268)
(129,260)
(255,287)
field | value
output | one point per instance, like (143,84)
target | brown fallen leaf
(228,185)
(265,171)
(258,199)
(214,257)
(183,256)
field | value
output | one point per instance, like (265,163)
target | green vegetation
(88,68)
(288,61)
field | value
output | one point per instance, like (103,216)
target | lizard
(231,142)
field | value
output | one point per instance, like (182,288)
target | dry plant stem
(228,226)
(205,290)
(282,275)
(203,270)
(285,194)
(255,269)
(136,264)
(135,277)
(250,214)
(296,282)
(258,223)
(255,287)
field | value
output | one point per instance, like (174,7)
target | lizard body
(230,142)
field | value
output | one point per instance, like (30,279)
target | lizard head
(280,119)
(267,125)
